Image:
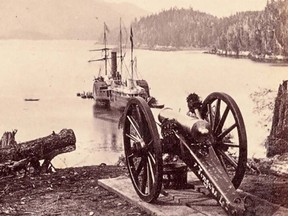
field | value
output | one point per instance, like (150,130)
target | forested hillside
(176,28)
(259,32)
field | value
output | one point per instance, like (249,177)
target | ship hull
(117,94)
(101,93)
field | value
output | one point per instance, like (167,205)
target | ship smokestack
(114,63)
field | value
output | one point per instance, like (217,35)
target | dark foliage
(259,32)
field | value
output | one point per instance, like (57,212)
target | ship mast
(121,54)
(132,61)
(105,48)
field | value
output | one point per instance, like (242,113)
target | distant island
(259,35)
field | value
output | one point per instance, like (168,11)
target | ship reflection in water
(108,114)
(106,126)
(98,141)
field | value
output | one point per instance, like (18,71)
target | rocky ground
(71,191)
(74,191)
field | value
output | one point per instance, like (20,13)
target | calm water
(55,71)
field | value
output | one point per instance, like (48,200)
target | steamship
(111,90)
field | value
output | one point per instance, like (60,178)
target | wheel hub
(139,148)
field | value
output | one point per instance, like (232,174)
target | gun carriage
(211,141)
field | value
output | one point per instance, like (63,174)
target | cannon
(211,142)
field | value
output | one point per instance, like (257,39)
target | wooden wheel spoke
(222,162)
(130,156)
(151,170)
(139,117)
(144,179)
(140,167)
(147,135)
(133,123)
(149,146)
(216,114)
(132,137)
(230,145)
(210,117)
(227,131)
(151,157)
(149,179)
(222,121)
(229,159)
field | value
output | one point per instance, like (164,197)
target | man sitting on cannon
(194,105)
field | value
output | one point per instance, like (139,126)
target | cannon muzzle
(199,129)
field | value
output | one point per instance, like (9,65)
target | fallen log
(12,167)
(45,148)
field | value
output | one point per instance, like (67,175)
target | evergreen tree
(259,32)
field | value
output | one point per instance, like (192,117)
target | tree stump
(46,148)
(277,142)
(8,139)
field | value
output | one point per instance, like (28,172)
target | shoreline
(274,59)
(263,58)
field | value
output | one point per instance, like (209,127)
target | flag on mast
(106,28)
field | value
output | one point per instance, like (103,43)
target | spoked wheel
(143,149)
(228,129)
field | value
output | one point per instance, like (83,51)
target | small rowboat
(31,99)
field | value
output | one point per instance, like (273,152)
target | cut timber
(41,148)
(45,148)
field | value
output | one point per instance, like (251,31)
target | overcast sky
(218,8)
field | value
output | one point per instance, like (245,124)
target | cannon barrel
(196,141)
(197,128)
